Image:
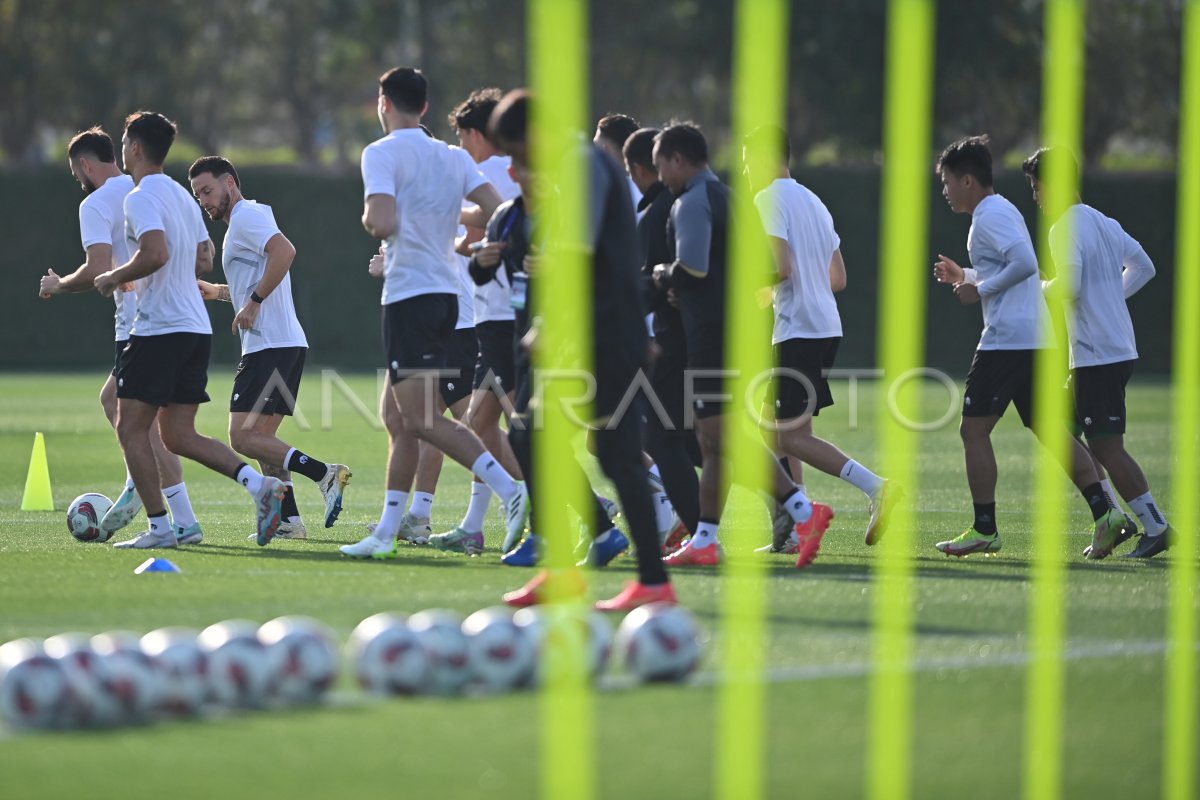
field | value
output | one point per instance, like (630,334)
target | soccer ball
(566,625)
(440,633)
(34,689)
(501,655)
(659,642)
(239,672)
(388,657)
(131,676)
(303,658)
(84,515)
(183,667)
(96,690)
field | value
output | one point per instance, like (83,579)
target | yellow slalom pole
(1180,698)
(903,261)
(1062,106)
(760,63)
(558,66)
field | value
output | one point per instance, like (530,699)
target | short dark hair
(155,132)
(768,141)
(968,156)
(639,147)
(215,166)
(685,139)
(1035,165)
(406,87)
(473,113)
(509,122)
(93,142)
(616,128)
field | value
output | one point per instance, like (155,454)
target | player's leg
(703,547)
(134,421)
(244,427)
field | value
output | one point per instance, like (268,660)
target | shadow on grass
(407,557)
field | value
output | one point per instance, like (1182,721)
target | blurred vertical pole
(558,65)
(760,64)
(903,259)
(1180,712)
(1063,64)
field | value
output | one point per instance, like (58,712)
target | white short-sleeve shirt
(244,259)
(102,221)
(804,304)
(1097,250)
(168,299)
(493,302)
(1012,319)
(429,180)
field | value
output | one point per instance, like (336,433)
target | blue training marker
(157,565)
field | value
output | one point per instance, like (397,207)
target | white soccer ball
(589,630)
(388,657)
(84,515)
(303,656)
(96,690)
(659,642)
(239,673)
(440,633)
(502,657)
(133,677)
(183,667)
(35,691)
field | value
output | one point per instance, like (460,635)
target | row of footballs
(73,681)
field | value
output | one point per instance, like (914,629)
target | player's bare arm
(782,254)
(214,291)
(379,216)
(486,200)
(204,258)
(280,254)
(837,271)
(151,255)
(99,260)
(947,270)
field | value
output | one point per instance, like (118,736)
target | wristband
(254,296)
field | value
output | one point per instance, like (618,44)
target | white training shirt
(804,304)
(1005,269)
(429,180)
(102,221)
(168,300)
(493,301)
(244,259)
(1108,266)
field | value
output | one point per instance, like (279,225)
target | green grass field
(653,742)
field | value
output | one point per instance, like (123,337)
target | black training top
(698,230)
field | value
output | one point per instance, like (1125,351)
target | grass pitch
(653,742)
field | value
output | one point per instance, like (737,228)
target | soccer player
(1108,267)
(612,131)
(673,447)
(414,186)
(93,163)
(163,372)
(1004,280)
(619,351)
(257,260)
(698,233)
(808,328)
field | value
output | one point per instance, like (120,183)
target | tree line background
(293,81)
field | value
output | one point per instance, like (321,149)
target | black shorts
(121,343)
(705,377)
(460,358)
(804,387)
(997,378)
(268,382)
(1100,398)
(496,355)
(416,334)
(169,369)
(666,380)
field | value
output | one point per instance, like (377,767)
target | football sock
(249,477)
(481,498)
(488,470)
(129,487)
(422,505)
(786,463)
(859,476)
(289,510)
(181,507)
(797,504)
(664,513)
(393,512)
(1109,493)
(1096,500)
(985,518)
(306,465)
(654,471)
(1149,514)
(706,533)
(160,523)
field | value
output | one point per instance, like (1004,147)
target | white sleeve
(1067,254)
(93,227)
(256,230)
(378,172)
(774,219)
(141,216)
(472,177)
(1013,243)
(1139,269)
